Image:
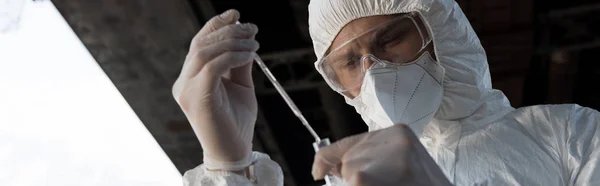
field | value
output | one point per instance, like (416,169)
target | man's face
(395,38)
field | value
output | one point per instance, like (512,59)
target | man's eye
(352,62)
(391,40)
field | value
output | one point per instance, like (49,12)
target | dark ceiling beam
(287,55)
(574,10)
(141,45)
(295,87)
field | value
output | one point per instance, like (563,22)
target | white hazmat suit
(475,137)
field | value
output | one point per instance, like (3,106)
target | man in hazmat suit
(417,74)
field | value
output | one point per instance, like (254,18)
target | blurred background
(539,51)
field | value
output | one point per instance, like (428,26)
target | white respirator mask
(400,94)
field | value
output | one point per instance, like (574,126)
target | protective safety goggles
(395,42)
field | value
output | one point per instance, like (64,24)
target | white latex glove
(216,93)
(391,156)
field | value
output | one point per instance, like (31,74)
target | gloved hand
(216,93)
(391,156)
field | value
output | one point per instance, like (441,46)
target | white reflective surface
(62,122)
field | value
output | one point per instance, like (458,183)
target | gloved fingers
(242,75)
(206,54)
(234,45)
(228,38)
(232,31)
(216,23)
(226,18)
(329,157)
(223,63)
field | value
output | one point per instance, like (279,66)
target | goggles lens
(397,42)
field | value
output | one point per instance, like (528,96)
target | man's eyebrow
(350,55)
(400,27)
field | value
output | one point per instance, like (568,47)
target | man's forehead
(358,26)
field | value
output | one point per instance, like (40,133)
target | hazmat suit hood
(468,93)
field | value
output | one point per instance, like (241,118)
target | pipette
(285,96)
(319,143)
